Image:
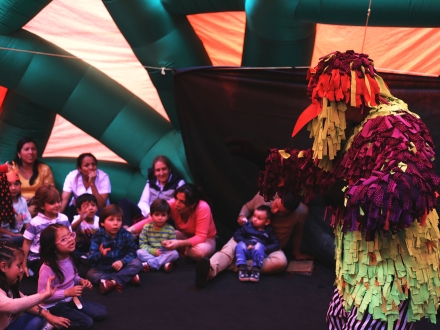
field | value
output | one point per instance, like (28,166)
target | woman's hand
(91,178)
(50,290)
(74,291)
(86,283)
(242,220)
(158,252)
(171,244)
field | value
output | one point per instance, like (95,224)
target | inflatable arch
(277,33)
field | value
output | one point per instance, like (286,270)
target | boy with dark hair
(255,240)
(86,223)
(151,251)
(113,253)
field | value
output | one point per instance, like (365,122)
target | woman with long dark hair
(32,172)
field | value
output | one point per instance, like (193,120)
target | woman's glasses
(67,238)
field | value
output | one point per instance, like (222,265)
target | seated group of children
(50,243)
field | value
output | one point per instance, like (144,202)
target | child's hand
(103,250)
(57,321)
(117,265)
(50,290)
(250,247)
(86,283)
(158,252)
(74,291)
(84,211)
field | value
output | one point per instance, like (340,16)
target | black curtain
(263,105)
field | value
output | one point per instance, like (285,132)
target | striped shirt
(151,239)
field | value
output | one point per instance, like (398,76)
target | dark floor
(171,301)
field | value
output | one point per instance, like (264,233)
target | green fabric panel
(159,39)
(189,7)
(273,37)
(14,14)
(399,13)
(38,76)
(170,145)
(133,132)
(21,118)
(260,52)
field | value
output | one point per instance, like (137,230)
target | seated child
(151,251)
(48,202)
(86,223)
(17,311)
(255,240)
(6,209)
(12,230)
(57,248)
(113,253)
(22,215)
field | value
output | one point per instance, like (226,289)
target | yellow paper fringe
(377,276)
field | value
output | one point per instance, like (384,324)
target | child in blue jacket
(255,240)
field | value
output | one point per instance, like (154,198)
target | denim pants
(27,321)
(157,262)
(256,254)
(80,318)
(95,274)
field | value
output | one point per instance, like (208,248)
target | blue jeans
(157,262)
(27,321)
(95,274)
(80,318)
(256,254)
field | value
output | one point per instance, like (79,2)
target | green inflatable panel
(108,112)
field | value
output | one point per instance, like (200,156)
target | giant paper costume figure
(385,224)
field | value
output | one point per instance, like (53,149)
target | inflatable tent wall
(119,87)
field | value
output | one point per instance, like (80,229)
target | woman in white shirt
(87,178)
(162,182)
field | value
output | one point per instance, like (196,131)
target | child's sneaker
(168,267)
(146,267)
(243,275)
(255,275)
(135,280)
(48,326)
(106,286)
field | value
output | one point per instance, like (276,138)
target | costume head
(339,79)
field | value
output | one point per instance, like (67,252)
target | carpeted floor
(171,301)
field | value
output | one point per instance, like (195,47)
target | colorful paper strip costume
(386,229)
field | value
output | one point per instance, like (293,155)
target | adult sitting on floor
(289,216)
(195,228)
(32,172)
(162,183)
(87,178)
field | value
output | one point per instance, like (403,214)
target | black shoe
(243,275)
(203,268)
(255,275)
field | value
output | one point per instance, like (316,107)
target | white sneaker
(48,326)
